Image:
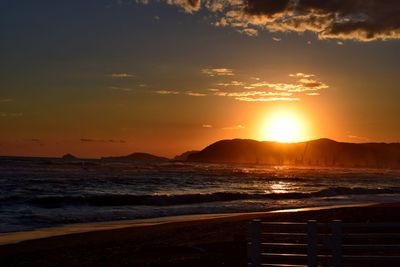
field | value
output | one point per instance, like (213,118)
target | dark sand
(217,241)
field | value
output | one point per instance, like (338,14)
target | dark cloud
(101,140)
(37,141)
(362,20)
(265,7)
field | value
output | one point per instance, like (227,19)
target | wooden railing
(334,244)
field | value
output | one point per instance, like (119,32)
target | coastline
(213,240)
(81,228)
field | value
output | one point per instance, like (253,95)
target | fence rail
(312,244)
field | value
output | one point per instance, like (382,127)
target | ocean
(46,192)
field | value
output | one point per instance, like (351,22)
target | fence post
(255,245)
(312,243)
(337,243)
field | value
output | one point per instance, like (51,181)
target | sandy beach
(199,240)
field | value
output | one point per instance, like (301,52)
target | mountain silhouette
(138,156)
(320,152)
(69,157)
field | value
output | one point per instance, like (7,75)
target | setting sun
(284,127)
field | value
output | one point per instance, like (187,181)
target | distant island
(69,157)
(321,152)
(138,156)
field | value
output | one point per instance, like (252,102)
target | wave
(182,199)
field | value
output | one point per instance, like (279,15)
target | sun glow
(285,127)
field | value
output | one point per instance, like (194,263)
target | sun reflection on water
(280,187)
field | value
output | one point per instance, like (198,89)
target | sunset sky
(109,77)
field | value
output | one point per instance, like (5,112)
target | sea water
(44,192)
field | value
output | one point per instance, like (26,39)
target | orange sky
(166,79)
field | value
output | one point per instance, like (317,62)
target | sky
(112,77)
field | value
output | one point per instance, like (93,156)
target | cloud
(124,89)
(37,141)
(173,92)
(263,91)
(252,93)
(301,75)
(310,85)
(259,96)
(236,127)
(358,138)
(232,83)
(218,72)
(167,92)
(5,100)
(360,20)
(190,93)
(267,99)
(250,31)
(188,6)
(121,75)
(206,126)
(8,114)
(89,140)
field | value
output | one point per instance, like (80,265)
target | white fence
(334,244)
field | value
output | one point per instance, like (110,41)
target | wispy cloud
(264,91)
(121,75)
(252,94)
(116,88)
(236,127)
(232,83)
(4,100)
(261,91)
(89,140)
(301,75)
(267,99)
(11,114)
(218,72)
(167,92)
(206,126)
(174,92)
(249,31)
(358,138)
(37,141)
(190,93)
(259,96)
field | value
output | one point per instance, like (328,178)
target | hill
(69,157)
(138,156)
(321,152)
(184,156)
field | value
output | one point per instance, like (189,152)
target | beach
(213,240)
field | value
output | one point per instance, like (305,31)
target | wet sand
(194,240)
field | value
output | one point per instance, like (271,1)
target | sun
(285,127)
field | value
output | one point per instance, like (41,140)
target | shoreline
(82,228)
(200,240)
